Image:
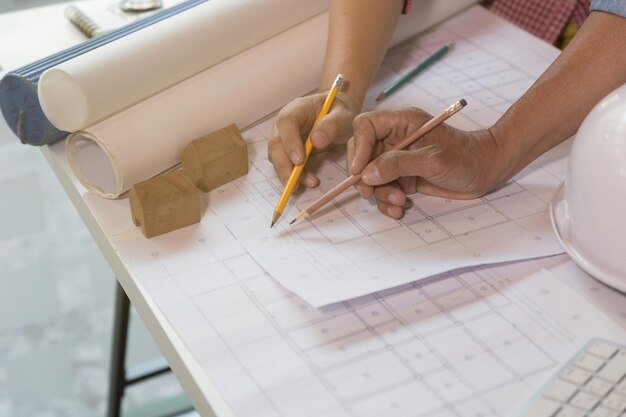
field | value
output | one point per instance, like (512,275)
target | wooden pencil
(411,74)
(353,179)
(308,147)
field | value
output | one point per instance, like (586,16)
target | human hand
(292,127)
(447,162)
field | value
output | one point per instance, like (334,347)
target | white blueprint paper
(349,249)
(420,349)
(416,350)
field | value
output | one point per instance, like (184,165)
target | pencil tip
(380,97)
(275,218)
(293,221)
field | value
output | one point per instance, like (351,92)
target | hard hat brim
(560,223)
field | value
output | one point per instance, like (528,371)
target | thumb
(335,126)
(393,165)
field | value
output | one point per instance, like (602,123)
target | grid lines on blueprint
(473,342)
(349,249)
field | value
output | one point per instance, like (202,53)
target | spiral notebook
(95,17)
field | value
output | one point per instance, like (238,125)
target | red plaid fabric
(543,18)
(581,11)
(407,6)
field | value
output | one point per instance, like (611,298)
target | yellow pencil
(308,147)
(353,179)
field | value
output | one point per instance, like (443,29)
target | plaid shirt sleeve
(617,7)
(407,6)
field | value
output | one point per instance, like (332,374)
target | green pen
(419,68)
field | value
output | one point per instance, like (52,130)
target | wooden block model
(216,158)
(164,203)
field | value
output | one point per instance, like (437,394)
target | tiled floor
(56,295)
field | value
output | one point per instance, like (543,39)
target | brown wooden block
(164,203)
(216,158)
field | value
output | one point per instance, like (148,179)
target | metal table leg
(117,374)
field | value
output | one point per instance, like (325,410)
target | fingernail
(295,157)
(371,175)
(393,212)
(395,199)
(309,182)
(319,139)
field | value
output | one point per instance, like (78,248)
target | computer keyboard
(592,384)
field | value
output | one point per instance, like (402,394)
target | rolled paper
(94,85)
(19,102)
(148,138)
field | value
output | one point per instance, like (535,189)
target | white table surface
(31,34)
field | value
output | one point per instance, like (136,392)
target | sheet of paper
(349,249)
(421,349)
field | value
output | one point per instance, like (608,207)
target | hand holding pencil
(293,125)
(445,161)
(298,168)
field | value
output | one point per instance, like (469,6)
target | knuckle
(360,119)
(392,162)
(330,129)
(272,144)
(282,118)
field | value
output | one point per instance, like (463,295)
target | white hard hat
(589,212)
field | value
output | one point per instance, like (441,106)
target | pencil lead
(381,97)
(303,214)
(275,218)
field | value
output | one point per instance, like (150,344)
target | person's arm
(457,164)
(593,65)
(358,35)
(359,32)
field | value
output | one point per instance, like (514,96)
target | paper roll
(91,87)
(148,138)
(19,103)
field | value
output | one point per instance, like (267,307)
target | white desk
(26,26)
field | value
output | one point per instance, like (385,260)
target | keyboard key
(615,369)
(584,400)
(576,376)
(592,384)
(561,390)
(604,412)
(602,349)
(615,401)
(570,412)
(598,387)
(589,362)
(543,407)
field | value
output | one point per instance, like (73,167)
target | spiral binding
(81,21)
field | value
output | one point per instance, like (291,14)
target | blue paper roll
(18,89)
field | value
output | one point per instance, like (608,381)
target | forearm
(551,111)
(358,36)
